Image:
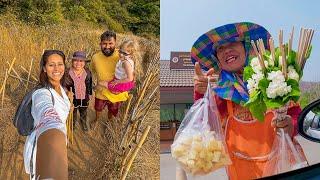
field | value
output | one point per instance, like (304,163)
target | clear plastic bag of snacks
(199,145)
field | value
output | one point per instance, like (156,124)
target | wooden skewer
(284,63)
(308,42)
(290,41)
(257,54)
(303,44)
(280,46)
(271,43)
(262,46)
(255,48)
(299,48)
(302,47)
(135,152)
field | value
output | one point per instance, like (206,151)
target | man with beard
(103,67)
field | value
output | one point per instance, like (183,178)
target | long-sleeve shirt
(46,116)
(88,84)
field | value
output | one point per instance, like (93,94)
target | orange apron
(249,143)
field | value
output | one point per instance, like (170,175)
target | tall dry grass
(93,155)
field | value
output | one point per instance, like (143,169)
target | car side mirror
(309,122)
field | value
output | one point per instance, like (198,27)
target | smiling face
(54,68)
(232,56)
(78,64)
(108,46)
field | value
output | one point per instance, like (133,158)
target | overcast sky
(183,21)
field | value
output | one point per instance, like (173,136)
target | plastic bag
(285,156)
(199,145)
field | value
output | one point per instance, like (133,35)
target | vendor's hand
(283,121)
(201,79)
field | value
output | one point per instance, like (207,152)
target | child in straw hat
(225,51)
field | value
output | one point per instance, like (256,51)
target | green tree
(148,15)
(41,12)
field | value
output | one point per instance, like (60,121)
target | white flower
(277,86)
(292,73)
(255,65)
(276,76)
(251,83)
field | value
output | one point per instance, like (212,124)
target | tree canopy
(140,17)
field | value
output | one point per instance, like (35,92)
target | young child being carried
(124,72)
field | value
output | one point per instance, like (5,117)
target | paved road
(168,164)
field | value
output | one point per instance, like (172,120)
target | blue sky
(183,21)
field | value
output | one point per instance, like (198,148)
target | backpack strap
(34,143)
(52,98)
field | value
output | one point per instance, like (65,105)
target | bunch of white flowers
(257,76)
(278,86)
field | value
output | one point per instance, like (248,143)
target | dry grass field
(96,154)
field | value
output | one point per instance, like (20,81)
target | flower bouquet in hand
(273,76)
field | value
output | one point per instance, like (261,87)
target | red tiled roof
(175,77)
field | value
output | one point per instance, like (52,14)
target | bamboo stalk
(15,72)
(21,79)
(4,88)
(127,108)
(142,120)
(8,71)
(135,152)
(29,73)
(146,83)
(11,65)
(131,133)
(4,82)
(124,160)
(24,69)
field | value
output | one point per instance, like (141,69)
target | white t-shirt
(120,72)
(46,116)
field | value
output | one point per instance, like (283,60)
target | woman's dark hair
(43,77)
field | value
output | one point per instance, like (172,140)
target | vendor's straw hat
(204,49)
